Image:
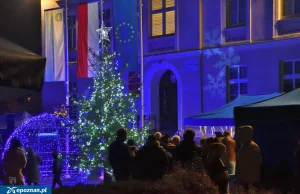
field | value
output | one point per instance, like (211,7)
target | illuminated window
(162,17)
(291,75)
(236,13)
(290,7)
(237,81)
(72,36)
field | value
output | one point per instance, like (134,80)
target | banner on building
(88,23)
(54,45)
(125,29)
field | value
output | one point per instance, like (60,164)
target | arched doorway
(152,78)
(168,103)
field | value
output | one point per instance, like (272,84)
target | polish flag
(88,23)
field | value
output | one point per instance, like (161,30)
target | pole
(101,11)
(66,55)
(142,64)
(103,170)
(67,82)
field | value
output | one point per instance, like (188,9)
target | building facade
(200,54)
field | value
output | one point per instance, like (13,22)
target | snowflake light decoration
(216,85)
(104,33)
(229,58)
(212,38)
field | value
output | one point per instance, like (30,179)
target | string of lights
(45,133)
(102,113)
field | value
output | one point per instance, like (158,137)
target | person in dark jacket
(151,161)
(32,169)
(56,169)
(187,151)
(120,157)
(215,165)
(13,163)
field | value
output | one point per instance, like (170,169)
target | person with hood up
(151,161)
(215,165)
(248,161)
(120,157)
(32,168)
(13,163)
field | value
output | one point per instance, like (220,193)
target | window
(72,39)
(72,86)
(290,7)
(291,75)
(237,81)
(162,17)
(236,12)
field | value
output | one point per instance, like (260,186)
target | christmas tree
(102,113)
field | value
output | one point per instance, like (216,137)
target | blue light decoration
(47,133)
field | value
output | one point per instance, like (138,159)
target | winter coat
(248,161)
(32,169)
(150,162)
(13,163)
(57,166)
(230,148)
(215,162)
(120,158)
(187,151)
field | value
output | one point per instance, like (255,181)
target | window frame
(74,33)
(228,24)
(293,15)
(163,11)
(292,76)
(238,81)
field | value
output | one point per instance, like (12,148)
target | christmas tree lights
(45,134)
(102,113)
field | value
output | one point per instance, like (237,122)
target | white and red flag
(88,23)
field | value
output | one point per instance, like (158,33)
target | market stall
(222,118)
(276,124)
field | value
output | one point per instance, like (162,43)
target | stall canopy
(21,78)
(20,68)
(283,107)
(224,116)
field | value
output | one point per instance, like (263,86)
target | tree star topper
(104,33)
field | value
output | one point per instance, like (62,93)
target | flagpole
(66,55)
(142,65)
(67,81)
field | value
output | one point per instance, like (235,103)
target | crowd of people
(224,159)
(221,157)
(16,163)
